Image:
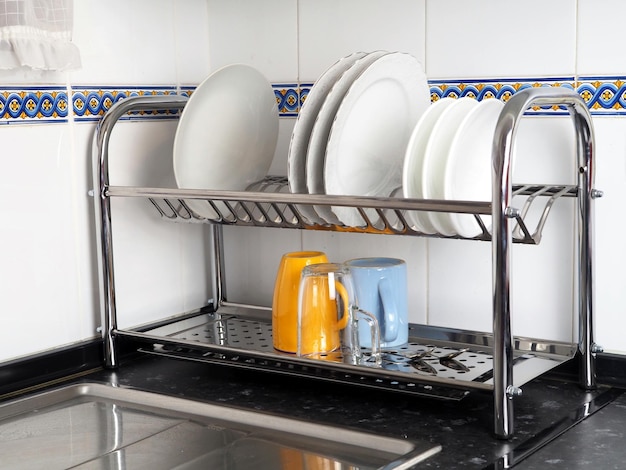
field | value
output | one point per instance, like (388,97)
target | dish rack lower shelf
(437,362)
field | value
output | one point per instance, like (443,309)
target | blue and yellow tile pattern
(89,103)
(604,95)
(41,104)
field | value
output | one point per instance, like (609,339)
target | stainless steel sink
(96,426)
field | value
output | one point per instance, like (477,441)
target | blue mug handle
(389,328)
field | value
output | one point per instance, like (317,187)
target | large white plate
(369,135)
(296,158)
(414,160)
(227,133)
(434,165)
(316,152)
(468,169)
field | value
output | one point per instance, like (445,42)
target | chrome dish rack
(437,362)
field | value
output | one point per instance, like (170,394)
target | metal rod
(102,207)
(385,203)
(217,266)
(586,178)
(501,259)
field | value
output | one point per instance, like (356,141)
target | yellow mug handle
(343,293)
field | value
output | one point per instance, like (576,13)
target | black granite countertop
(464,429)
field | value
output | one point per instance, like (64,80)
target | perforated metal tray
(241,336)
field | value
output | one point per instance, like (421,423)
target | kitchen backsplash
(48,294)
(46,104)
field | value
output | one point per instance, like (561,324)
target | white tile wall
(597,41)
(260,34)
(493,38)
(328,30)
(610,229)
(40,299)
(120,49)
(47,293)
(596,55)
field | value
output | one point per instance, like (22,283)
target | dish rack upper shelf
(268,205)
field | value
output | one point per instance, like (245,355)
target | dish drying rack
(437,362)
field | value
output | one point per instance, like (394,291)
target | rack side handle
(502,149)
(102,207)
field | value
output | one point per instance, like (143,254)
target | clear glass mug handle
(368,317)
(372,321)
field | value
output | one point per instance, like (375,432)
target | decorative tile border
(90,103)
(501,89)
(604,95)
(288,98)
(33,104)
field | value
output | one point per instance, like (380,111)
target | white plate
(371,130)
(227,134)
(316,153)
(437,149)
(468,169)
(296,158)
(414,159)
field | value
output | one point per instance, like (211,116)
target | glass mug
(285,300)
(328,316)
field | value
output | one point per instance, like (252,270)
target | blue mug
(381,289)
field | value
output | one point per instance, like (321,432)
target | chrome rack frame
(266,205)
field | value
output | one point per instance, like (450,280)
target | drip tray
(436,362)
(100,426)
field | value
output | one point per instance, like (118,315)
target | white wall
(48,275)
(47,272)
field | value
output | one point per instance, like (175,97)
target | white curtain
(37,34)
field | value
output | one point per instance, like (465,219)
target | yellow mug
(285,300)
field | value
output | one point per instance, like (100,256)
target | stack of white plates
(449,157)
(226,136)
(351,134)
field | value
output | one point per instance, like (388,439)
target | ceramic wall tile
(33,77)
(459,284)
(37,292)
(252,258)
(329,30)
(191,56)
(545,151)
(598,40)
(610,226)
(129,49)
(154,278)
(260,34)
(491,38)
